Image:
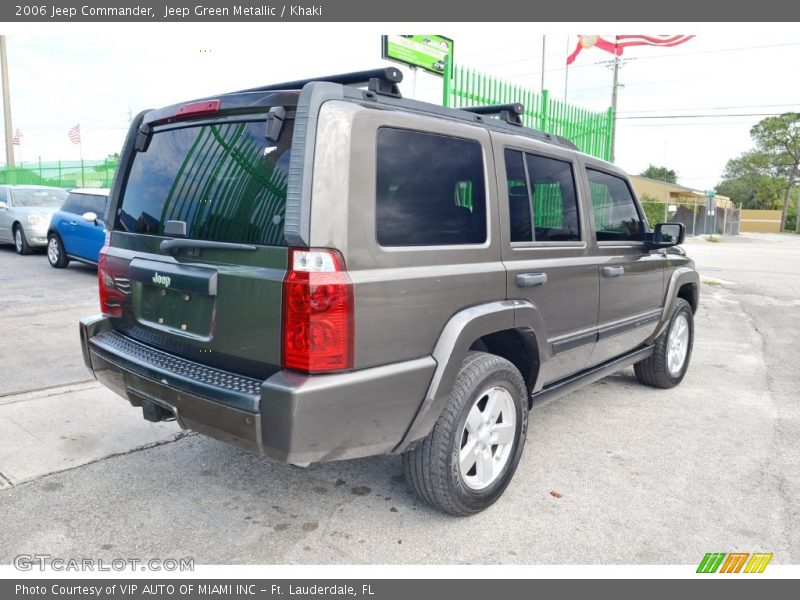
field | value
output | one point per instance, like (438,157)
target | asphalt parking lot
(616,473)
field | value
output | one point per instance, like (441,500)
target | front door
(631,276)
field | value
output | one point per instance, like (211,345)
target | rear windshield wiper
(179,244)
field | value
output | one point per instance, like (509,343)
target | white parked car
(25,212)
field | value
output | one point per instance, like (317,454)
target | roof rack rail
(381,81)
(510,113)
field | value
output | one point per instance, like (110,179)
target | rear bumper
(291,417)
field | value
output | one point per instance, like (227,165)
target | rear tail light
(317,312)
(113,283)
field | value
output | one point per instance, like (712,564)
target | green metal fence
(590,131)
(63,174)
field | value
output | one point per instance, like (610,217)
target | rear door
(546,251)
(222,183)
(631,276)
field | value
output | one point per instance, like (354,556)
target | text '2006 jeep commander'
(322,270)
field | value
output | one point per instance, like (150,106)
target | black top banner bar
(450,11)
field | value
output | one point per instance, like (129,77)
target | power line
(706,116)
(714,107)
(703,124)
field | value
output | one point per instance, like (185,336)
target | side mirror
(666,235)
(3,206)
(90,217)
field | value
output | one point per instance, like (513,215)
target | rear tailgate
(197,254)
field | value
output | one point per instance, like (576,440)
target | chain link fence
(694,215)
(63,173)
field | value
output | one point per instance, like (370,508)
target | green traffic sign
(424,51)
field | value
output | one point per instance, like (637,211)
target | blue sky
(94,74)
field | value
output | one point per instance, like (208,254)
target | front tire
(55,252)
(20,241)
(668,364)
(466,462)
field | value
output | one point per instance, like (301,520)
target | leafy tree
(653,208)
(766,177)
(660,173)
(109,163)
(778,140)
(750,183)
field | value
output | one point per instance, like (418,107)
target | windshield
(226,181)
(38,198)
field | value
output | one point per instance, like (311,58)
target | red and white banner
(620,42)
(75,134)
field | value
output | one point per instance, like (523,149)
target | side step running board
(570,384)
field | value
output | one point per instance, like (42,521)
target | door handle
(613,271)
(531,279)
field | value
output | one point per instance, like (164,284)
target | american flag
(75,134)
(17,139)
(623,41)
(620,42)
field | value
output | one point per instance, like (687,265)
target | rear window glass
(430,190)
(37,198)
(226,181)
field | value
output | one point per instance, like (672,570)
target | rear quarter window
(430,190)
(73,204)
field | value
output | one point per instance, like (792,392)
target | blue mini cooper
(77,230)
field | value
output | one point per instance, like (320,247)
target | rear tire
(20,241)
(55,252)
(668,364)
(466,462)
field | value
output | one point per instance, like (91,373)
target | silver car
(25,212)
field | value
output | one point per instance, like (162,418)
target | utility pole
(544,45)
(614,105)
(566,75)
(6,105)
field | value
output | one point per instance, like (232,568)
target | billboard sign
(423,51)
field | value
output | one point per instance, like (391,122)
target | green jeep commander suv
(321,270)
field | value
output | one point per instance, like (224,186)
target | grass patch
(714,239)
(711,282)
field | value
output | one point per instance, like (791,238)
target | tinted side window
(519,198)
(555,204)
(73,204)
(430,190)
(613,208)
(543,196)
(95,204)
